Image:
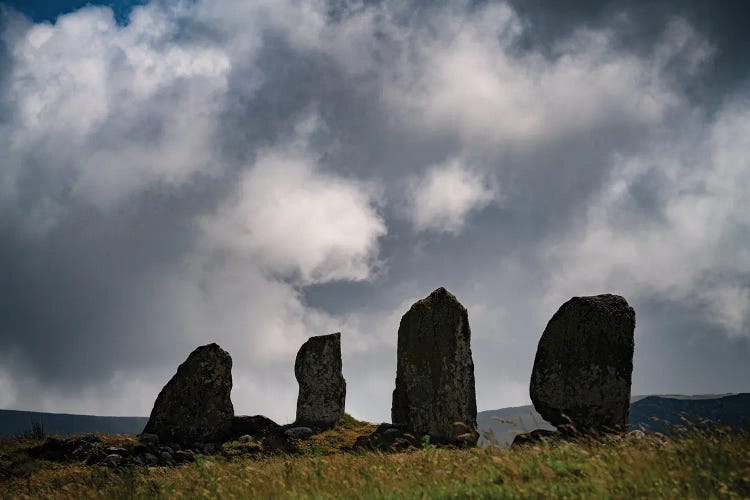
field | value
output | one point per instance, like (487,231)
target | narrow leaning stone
(195,405)
(584,364)
(435,392)
(322,388)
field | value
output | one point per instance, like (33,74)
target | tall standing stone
(195,405)
(322,388)
(435,392)
(584,364)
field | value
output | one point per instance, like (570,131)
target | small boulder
(112,460)
(636,434)
(435,392)
(583,366)
(387,437)
(195,404)
(322,388)
(183,456)
(298,432)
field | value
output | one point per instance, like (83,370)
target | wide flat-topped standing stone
(195,405)
(322,388)
(435,392)
(584,364)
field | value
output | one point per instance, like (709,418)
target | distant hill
(495,426)
(12,422)
(732,411)
(650,413)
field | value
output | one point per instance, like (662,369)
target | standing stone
(584,364)
(195,405)
(434,392)
(322,388)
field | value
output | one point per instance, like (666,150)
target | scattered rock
(195,404)
(184,456)
(174,446)
(112,460)
(322,388)
(298,432)
(636,434)
(387,437)
(257,425)
(150,459)
(435,392)
(247,438)
(77,448)
(583,366)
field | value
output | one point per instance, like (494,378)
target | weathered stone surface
(195,404)
(149,439)
(298,432)
(434,392)
(584,364)
(322,388)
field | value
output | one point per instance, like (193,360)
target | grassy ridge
(699,465)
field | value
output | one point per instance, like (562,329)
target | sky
(175,173)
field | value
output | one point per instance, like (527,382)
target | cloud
(294,220)
(691,245)
(109,110)
(444,198)
(465,76)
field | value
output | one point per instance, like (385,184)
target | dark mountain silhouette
(13,422)
(649,413)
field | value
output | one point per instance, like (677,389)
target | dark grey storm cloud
(256,174)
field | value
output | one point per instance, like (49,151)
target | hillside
(701,465)
(650,413)
(495,426)
(13,422)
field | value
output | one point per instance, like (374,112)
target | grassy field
(697,465)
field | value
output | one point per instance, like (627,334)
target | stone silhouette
(195,405)
(435,392)
(256,425)
(322,388)
(584,364)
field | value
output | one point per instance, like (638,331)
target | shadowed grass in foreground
(698,465)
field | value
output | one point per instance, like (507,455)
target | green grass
(696,465)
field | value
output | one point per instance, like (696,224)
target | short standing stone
(322,388)
(584,364)
(195,404)
(435,392)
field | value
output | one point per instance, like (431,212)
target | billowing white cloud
(692,247)
(444,198)
(297,221)
(112,110)
(468,78)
